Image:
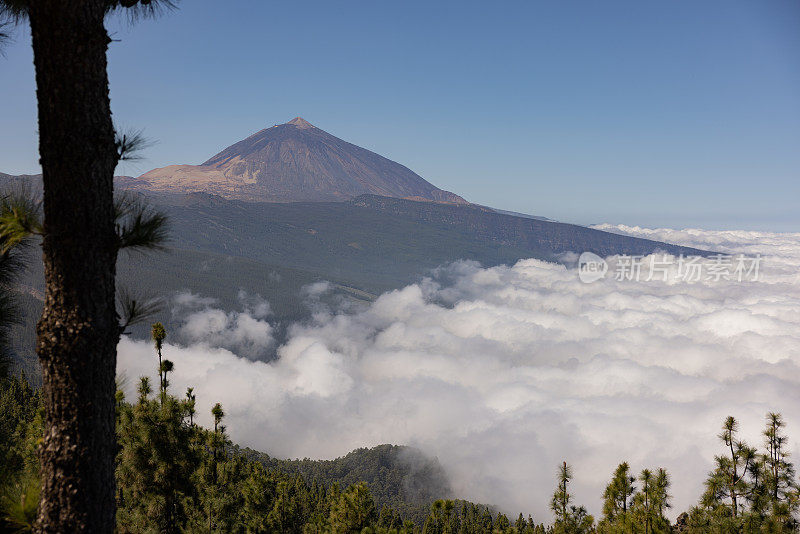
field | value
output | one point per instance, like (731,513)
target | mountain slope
(293,162)
(378,243)
(541,237)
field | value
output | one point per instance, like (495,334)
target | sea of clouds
(503,373)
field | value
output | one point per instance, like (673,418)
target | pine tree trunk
(78,333)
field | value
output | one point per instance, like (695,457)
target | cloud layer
(502,373)
(246,333)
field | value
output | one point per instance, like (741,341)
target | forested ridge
(399,477)
(173,476)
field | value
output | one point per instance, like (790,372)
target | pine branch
(139,225)
(130,144)
(133,311)
(20,219)
(141,9)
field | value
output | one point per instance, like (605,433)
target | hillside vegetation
(175,476)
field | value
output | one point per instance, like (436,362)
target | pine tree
(779,473)
(190,401)
(221,478)
(779,479)
(388,519)
(617,500)
(502,523)
(354,511)
(663,497)
(217,438)
(734,469)
(158,334)
(644,502)
(740,494)
(650,503)
(259,491)
(286,514)
(570,519)
(722,506)
(166,367)
(561,498)
(78,332)
(156,466)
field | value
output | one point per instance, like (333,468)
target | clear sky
(662,113)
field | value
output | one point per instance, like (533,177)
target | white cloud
(502,373)
(254,305)
(245,332)
(316,289)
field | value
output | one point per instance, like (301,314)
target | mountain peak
(300,122)
(297,162)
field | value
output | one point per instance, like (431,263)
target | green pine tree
(570,519)
(156,465)
(650,503)
(618,497)
(354,511)
(779,479)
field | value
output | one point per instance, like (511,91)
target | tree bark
(78,331)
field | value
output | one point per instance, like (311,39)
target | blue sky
(675,113)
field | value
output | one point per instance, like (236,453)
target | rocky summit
(293,162)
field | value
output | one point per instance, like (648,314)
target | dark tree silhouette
(81,234)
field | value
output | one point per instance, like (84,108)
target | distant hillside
(293,162)
(378,243)
(546,239)
(399,477)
